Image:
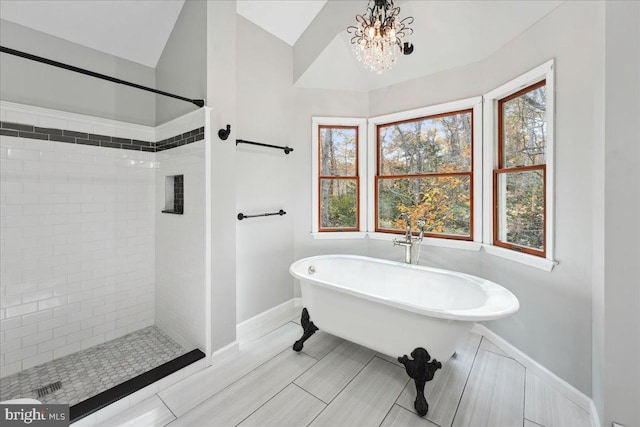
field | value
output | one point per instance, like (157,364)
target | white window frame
(475,104)
(361,124)
(490,148)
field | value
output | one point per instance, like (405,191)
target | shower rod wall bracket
(223,134)
(286,150)
(25,55)
(242,216)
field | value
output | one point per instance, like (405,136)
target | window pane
(338,151)
(429,145)
(521,208)
(524,129)
(338,203)
(443,201)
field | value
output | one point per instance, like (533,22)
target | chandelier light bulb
(379,35)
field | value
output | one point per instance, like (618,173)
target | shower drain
(48,389)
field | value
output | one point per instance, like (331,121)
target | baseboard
(224,353)
(267,321)
(569,391)
(595,418)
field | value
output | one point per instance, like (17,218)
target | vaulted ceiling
(285,19)
(129,29)
(448,34)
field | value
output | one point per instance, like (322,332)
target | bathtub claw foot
(421,369)
(308,327)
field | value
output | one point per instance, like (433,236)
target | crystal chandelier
(380,35)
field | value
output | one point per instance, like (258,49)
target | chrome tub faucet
(409,240)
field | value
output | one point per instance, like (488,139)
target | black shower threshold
(107,397)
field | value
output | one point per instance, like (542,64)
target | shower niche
(174,194)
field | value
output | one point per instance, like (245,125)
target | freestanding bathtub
(394,308)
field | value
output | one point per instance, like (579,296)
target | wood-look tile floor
(336,383)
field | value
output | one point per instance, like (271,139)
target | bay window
(425,169)
(519,180)
(338,167)
(519,169)
(479,170)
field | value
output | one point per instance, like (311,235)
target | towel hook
(223,134)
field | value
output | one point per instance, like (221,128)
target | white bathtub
(394,308)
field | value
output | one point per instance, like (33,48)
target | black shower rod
(198,102)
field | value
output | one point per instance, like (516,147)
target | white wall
(77,248)
(553,325)
(622,210)
(221,95)
(307,104)
(33,83)
(271,110)
(332,19)
(263,175)
(182,67)
(180,247)
(598,229)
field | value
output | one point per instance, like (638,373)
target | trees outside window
(338,178)
(479,170)
(520,179)
(425,169)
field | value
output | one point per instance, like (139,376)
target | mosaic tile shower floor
(94,370)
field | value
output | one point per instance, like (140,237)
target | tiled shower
(88,256)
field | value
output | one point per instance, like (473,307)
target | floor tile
(489,346)
(112,410)
(494,394)
(144,393)
(239,400)
(254,388)
(443,393)
(88,372)
(331,374)
(148,413)
(200,386)
(367,399)
(292,407)
(547,406)
(88,421)
(390,359)
(320,344)
(400,417)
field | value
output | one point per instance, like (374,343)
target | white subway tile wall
(77,247)
(180,248)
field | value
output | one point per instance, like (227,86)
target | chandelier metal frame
(380,35)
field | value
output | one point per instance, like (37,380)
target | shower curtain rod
(198,102)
